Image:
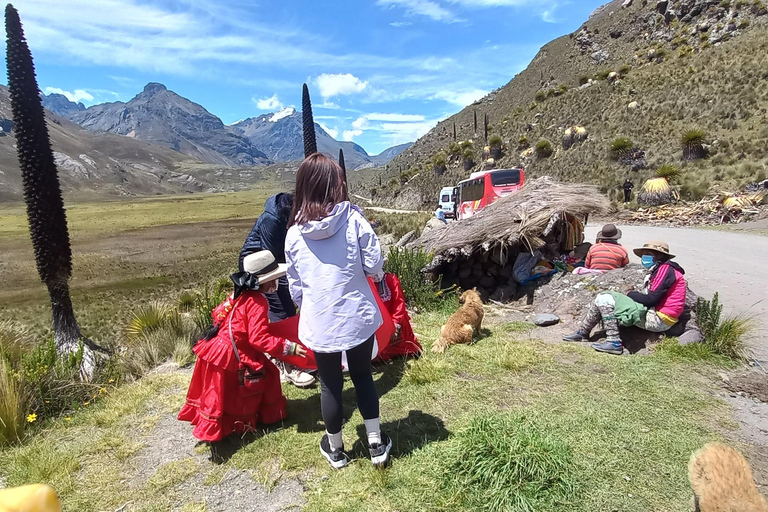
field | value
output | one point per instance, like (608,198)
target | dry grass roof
(517,217)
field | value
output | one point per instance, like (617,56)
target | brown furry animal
(464,324)
(722,481)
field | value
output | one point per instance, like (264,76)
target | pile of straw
(518,218)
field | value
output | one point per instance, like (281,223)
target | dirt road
(733,264)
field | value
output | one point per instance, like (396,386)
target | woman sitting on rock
(234,385)
(656,309)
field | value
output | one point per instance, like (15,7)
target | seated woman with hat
(607,254)
(656,309)
(234,385)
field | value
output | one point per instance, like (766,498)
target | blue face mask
(648,261)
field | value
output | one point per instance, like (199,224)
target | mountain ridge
(269,137)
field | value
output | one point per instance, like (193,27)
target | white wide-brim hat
(262,264)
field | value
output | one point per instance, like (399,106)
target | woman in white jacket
(330,249)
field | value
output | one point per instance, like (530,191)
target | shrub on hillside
(693,144)
(523,143)
(603,75)
(669,172)
(544,149)
(420,293)
(562,89)
(495,141)
(725,336)
(620,147)
(540,96)
(454,149)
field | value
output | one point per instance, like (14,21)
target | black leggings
(332,382)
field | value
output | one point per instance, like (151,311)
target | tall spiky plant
(474,112)
(454,131)
(485,128)
(308,122)
(42,192)
(342,164)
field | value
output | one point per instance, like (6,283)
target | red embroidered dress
(217,405)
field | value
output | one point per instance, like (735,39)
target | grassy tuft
(544,149)
(15,340)
(147,319)
(668,172)
(693,144)
(187,301)
(671,349)
(517,357)
(507,462)
(495,141)
(725,336)
(13,406)
(620,146)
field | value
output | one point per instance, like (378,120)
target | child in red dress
(234,385)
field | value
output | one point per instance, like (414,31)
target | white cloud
(269,104)
(328,105)
(400,24)
(77,96)
(333,132)
(461,99)
(397,118)
(361,123)
(332,85)
(349,135)
(426,8)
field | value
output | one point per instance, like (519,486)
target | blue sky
(381,72)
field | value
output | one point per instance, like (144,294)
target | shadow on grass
(634,339)
(305,415)
(408,434)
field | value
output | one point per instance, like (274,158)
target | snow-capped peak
(281,114)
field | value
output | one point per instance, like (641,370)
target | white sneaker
(297,377)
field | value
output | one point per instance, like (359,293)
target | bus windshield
(505,177)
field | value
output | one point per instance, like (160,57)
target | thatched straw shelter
(480,251)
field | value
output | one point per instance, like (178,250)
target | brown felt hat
(609,232)
(654,246)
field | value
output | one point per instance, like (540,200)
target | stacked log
(490,272)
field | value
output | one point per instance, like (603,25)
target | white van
(447,200)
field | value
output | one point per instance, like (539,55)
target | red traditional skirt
(217,405)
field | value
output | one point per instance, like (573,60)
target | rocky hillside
(95,165)
(164,118)
(279,135)
(645,71)
(387,155)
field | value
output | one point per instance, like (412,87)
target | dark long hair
(320,186)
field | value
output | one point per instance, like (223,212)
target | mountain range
(164,118)
(644,75)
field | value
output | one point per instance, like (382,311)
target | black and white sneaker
(380,451)
(336,458)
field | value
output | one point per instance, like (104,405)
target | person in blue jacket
(268,234)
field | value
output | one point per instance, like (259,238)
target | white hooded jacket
(328,261)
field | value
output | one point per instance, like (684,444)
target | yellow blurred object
(656,186)
(737,202)
(29,498)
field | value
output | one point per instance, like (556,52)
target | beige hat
(654,246)
(263,265)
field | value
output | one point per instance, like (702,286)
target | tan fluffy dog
(464,324)
(722,481)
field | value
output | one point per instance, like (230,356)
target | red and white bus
(484,187)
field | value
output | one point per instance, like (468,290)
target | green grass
(120,215)
(508,421)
